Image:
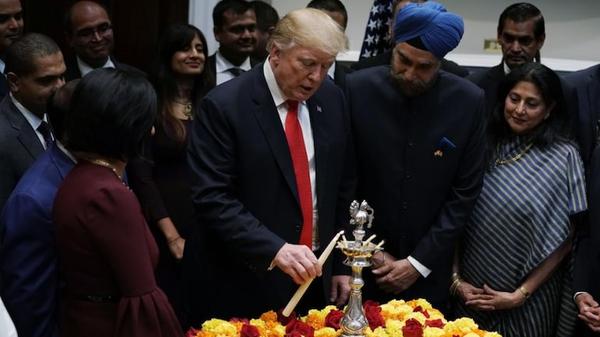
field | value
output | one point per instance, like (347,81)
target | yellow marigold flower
(276,331)
(326,332)
(433,332)
(269,316)
(491,334)
(396,310)
(460,326)
(416,315)
(393,327)
(205,334)
(420,302)
(471,334)
(380,332)
(315,319)
(220,328)
(435,314)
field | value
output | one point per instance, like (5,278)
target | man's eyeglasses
(88,33)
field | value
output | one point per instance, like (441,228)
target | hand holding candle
(302,289)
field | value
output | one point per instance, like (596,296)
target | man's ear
(13,82)
(217,33)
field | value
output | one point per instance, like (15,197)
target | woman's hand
(497,300)
(589,311)
(468,292)
(176,247)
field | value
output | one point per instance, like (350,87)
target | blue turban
(439,31)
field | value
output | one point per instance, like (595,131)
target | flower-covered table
(397,318)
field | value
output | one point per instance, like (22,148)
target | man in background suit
(266,20)
(337,11)
(28,266)
(272,184)
(420,151)
(34,69)
(11,28)
(235,30)
(587,258)
(89,32)
(521,34)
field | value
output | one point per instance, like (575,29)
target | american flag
(377,38)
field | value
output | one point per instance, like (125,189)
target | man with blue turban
(418,132)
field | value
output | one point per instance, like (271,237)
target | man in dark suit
(419,142)
(34,68)
(337,11)
(521,34)
(272,184)
(586,84)
(587,260)
(89,32)
(235,30)
(11,28)
(28,272)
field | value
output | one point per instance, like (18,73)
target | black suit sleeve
(446,231)
(212,159)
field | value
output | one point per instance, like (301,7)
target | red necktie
(293,134)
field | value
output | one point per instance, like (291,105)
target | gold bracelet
(524,292)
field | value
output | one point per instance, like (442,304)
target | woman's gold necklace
(106,164)
(187,108)
(515,158)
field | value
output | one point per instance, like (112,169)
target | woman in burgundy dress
(161,178)
(107,255)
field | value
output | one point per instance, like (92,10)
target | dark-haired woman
(161,179)
(512,275)
(107,255)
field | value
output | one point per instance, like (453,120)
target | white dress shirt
(84,68)
(7,328)
(304,119)
(223,66)
(32,119)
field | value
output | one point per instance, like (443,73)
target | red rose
(373,314)
(412,328)
(334,318)
(435,323)
(192,332)
(283,319)
(420,309)
(237,319)
(249,331)
(296,328)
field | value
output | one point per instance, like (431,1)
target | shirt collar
(223,65)
(506,68)
(31,118)
(85,68)
(331,71)
(278,97)
(2,66)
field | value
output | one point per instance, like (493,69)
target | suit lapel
(27,136)
(270,124)
(318,125)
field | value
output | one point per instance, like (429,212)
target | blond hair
(310,28)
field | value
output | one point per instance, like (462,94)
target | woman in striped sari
(513,268)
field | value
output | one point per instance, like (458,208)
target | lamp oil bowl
(358,255)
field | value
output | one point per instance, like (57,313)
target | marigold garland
(397,318)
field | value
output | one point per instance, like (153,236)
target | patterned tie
(44,129)
(235,71)
(293,134)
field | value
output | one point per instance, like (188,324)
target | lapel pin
(319,108)
(438,153)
